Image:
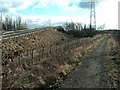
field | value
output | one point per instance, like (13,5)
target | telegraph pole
(92,15)
(1,29)
(1,47)
(0,22)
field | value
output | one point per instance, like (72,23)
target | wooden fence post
(76,43)
(20,61)
(32,56)
(42,52)
(50,49)
(56,49)
(39,53)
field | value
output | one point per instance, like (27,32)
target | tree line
(78,29)
(9,24)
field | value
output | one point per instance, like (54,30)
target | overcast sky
(38,12)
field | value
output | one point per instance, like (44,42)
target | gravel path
(92,73)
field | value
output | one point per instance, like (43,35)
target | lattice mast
(92,15)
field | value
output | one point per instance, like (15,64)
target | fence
(45,52)
(40,54)
(17,35)
(21,34)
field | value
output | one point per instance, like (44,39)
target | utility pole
(1,47)
(92,15)
(1,23)
(1,29)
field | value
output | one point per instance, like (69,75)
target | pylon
(92,16)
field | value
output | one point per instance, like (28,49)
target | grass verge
(112,63)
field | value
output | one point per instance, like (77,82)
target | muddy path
(92,73)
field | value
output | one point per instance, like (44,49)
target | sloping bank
(78,54)
(113,62)
(46,73)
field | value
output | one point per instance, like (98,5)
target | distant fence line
(19,34)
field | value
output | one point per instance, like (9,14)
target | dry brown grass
(14,47)
(44,72)
(112,62)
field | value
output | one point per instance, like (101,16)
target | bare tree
(78,26)
(14,25)
(18,22)
(73,26)
(66,26)
(85,27)
(69,26)
(6,23)
(9,24)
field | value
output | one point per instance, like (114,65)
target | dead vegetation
(13,47)
(113,62)
(46,72)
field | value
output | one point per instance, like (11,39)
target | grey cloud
(5,6)
(87,5)
(70,4)
(33,21)
(15,4)
(29,20)
(4,10)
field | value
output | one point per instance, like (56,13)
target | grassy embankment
(113,62)
(50,71)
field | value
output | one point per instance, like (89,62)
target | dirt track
(92,73)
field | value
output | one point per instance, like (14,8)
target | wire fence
(18,34)
(39,54)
